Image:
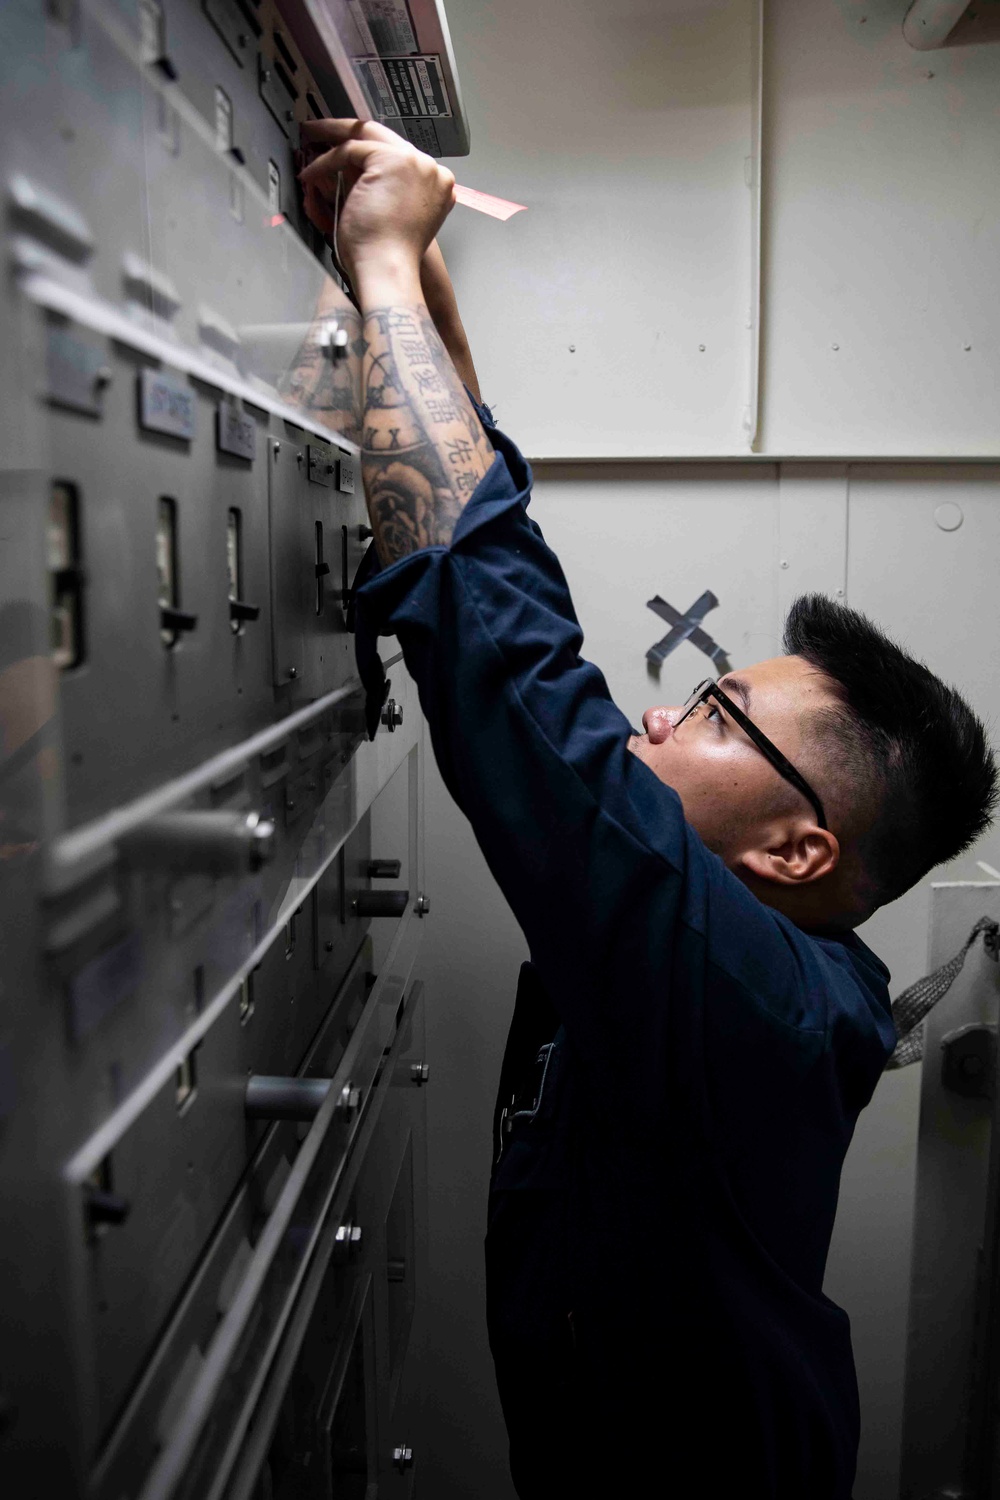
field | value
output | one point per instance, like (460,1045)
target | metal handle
(279,1098)
(384,869)
(211,841)
(381,903)
(269,1098)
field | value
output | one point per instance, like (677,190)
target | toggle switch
(381,903)
(219,842)
(176,620)
(104,1207)
(239,611)
(384,869)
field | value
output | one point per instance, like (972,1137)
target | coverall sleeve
(591,850)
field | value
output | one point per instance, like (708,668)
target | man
(698,1028)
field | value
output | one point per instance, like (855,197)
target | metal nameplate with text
(347,474)
(236,433)
(322,465)
(166,404)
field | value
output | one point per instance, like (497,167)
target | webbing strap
(910,1008)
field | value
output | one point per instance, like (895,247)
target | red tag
(485,203)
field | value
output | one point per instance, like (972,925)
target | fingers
(318,210)
(332,132)
(350,153)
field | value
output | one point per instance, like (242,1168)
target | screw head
(276,449)
(293,672)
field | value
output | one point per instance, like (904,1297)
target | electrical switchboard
(211,1064)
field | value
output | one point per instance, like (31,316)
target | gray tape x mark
(687,627)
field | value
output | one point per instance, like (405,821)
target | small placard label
(322,465)
(77,370)
(347,473)
(166,404)
(236,433)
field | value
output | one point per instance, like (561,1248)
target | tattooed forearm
(423,449)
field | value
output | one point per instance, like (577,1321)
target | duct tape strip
(687,627)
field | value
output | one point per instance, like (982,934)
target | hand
(395,198)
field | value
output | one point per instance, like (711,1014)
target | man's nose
(659,723)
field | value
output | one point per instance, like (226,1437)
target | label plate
(347,475)
(235,432)
(322,465)
(77,370)
(166,404)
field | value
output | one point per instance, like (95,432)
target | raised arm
(424,450)
(439,294)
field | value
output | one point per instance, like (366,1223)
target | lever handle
(176,619)
(239,610)
(106,1208)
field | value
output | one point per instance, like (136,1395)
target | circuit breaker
(211,1069)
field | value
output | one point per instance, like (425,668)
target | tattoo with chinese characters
(424,449)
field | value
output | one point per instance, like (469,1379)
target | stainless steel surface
(198,1048)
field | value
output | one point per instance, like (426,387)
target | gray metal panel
(950,1214)
(119,964)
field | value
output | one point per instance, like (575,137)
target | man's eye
(713,714)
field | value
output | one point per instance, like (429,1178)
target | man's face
(730,792)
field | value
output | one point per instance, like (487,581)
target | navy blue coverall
(683,1075)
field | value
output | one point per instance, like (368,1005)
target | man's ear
(802,856)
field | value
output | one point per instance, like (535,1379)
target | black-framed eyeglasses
(711,689)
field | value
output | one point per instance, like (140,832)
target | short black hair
(906,748)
